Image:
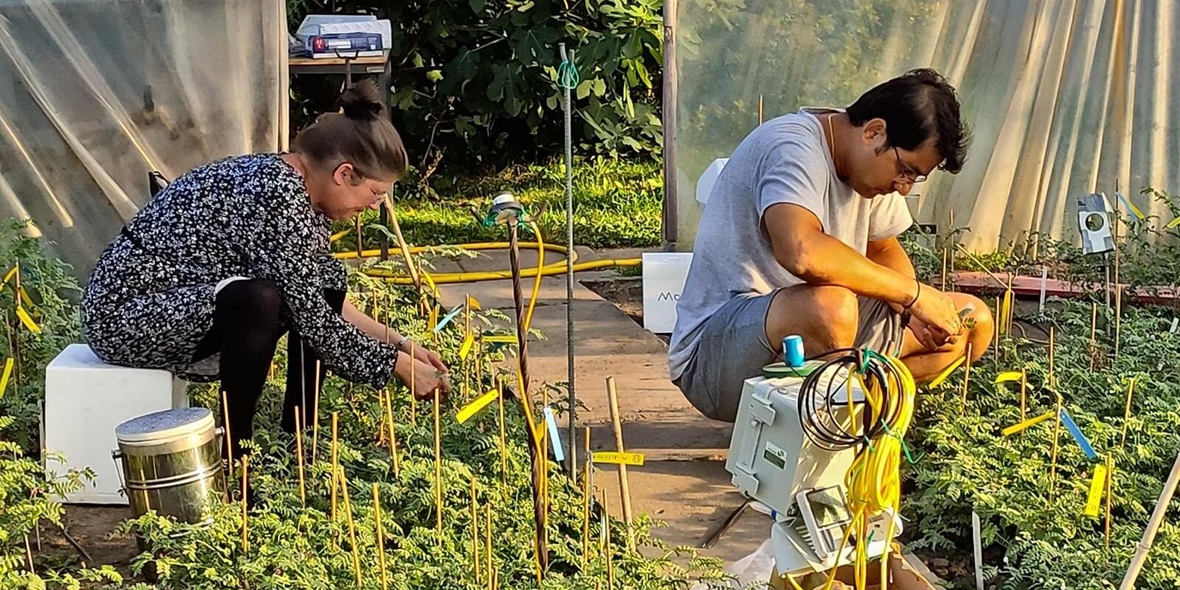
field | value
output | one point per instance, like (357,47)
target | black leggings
(247,325)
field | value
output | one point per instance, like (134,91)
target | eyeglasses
(906,172)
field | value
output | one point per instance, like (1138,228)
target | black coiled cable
(817,405)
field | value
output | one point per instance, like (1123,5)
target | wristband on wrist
(403,344)
(916,295)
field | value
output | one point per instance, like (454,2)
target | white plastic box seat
(85,399)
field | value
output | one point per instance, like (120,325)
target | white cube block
(85,399)
(663,280)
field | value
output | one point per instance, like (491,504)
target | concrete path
(683,481)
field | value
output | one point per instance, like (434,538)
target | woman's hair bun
(362,101)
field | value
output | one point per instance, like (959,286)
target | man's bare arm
(890,254)
(804,250)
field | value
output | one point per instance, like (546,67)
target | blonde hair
(360,134)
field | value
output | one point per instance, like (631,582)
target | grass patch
(617,204)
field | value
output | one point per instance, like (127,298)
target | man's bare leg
(825,316)
(926,364)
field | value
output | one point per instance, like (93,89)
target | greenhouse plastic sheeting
(1063,98)
(94,94)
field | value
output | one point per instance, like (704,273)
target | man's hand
(936,316)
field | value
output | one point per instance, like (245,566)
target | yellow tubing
(550,269)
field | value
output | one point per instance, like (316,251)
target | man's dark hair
(917,106)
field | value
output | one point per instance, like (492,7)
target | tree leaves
(475,78)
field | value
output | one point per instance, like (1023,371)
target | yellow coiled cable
(874,479)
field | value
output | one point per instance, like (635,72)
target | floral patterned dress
(150,299)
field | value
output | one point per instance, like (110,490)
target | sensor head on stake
(505,207)
(1094,224)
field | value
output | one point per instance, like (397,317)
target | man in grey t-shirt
(799,236)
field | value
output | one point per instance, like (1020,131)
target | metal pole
(671,212)
(571,459)
(538,459)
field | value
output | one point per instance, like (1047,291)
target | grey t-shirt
(785,160)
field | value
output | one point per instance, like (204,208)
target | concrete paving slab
(691,500)
(683,481)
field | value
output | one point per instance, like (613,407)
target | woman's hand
(426,377)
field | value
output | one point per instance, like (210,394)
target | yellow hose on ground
(546,270)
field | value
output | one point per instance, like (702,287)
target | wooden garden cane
(616,423)
(1157,517)
(401,244)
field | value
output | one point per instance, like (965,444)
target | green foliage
(295,547)
(469,76)
(51,286)
(1148,252)
(968,465)
(617,204)
(27,493)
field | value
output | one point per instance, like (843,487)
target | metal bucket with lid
(171,463)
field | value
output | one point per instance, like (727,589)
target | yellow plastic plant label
(947,373)
(433,320)
(24,296)
(12,273)
(466,348)
(1096,486)
(478,404)
(1007,376)
(501,338)
(1173,223)
(27,320)
(7,373)
(1009,431)
(473,303)
(618,458)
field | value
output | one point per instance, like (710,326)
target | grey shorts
(733,347)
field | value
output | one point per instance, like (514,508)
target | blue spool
(793,351)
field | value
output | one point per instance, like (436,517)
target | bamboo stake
(389,421)
(401,244)
(1023,395)
(1127,412)
(380,532)
(616,424)
(335,462)
(475,540)
(315,415)
(29,555)
(1118,318)
(503,438)
(438,507)
(299,457)
(245,540)
(1052,384)
(950,261)
(1056,439)
(1157,517)
(610,574)
(488,548)
(996,338)
(966,377)
(1093,333)
(356,557)
(1109,496)
(1011,307)
(586,504)
(942,284)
